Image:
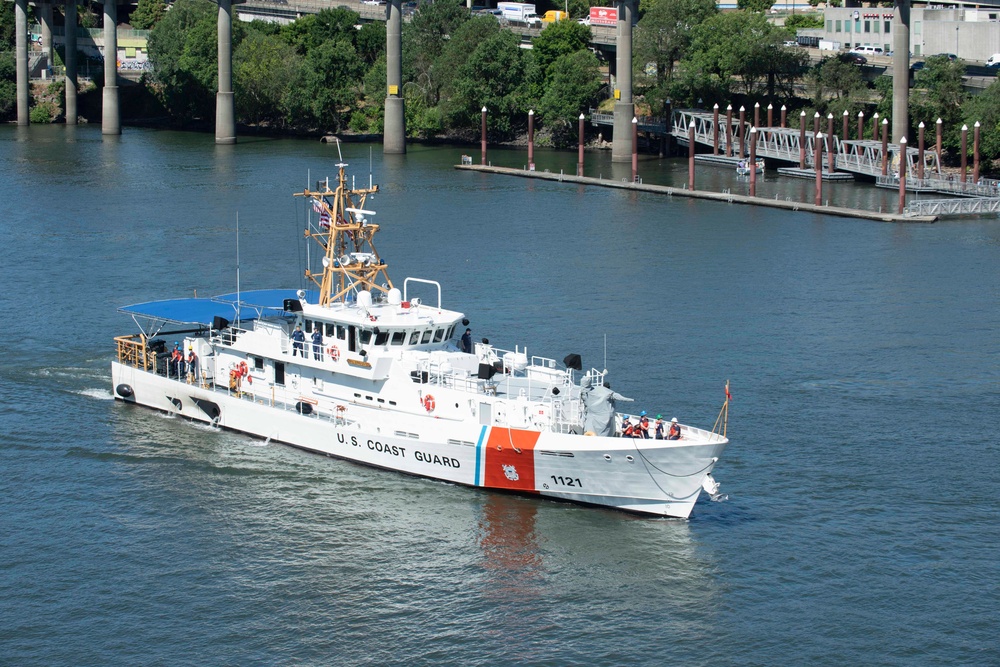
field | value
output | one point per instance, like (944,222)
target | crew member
(298,340)
(675,430)
(627,428)
(317,343)
(466,344)
(644,424)
(176,360)
(659,427)
(192,365)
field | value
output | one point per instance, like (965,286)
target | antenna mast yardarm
(350,260)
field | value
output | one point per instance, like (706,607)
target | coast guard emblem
(510,472)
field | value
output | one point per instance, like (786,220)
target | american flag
(324,220)
(317,206)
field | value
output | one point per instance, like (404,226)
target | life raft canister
(334,352)
(429,403)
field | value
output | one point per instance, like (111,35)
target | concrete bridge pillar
(111,123)
(21,55)
(45,19)
(394,122)
(901,68)
(621,146)
(70,62)
(225,110)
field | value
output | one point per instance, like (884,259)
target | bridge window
(439,335)
(382,337)
(365,336)
(398,337)
(331,329)
(341,332)
(426,337)
(414,338)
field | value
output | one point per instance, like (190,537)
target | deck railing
(132,351)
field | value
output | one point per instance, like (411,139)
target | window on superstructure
(308,325)
(258,363)
(439,335)
(366,336)
(426,337)
(414,338)
(382,337)
(331,329)
(451,332)
(398,337)
(341,332)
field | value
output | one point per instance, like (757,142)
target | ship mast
(350,260)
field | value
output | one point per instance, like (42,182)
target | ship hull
(656,477)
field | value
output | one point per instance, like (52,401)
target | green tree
(460,45)
(262,67)
(796,21)
(984,108)
(758,6)
(742,49)
(7,27)
(183,47)
(327,87)
(663,35)
(424,39)
(147,14)
(837,78)
(937,93)
(559,39)
(492,77)
(572,86)
(370,42)
(8,85)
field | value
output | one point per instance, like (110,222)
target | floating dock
(701,194)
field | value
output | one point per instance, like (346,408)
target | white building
(970,33)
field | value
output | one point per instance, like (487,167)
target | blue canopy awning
(182,311)
(200,311)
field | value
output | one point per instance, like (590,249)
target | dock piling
(902,174)
(691,156)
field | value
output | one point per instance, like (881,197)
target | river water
(863,479)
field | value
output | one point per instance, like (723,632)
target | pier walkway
(701,194)
(858,157)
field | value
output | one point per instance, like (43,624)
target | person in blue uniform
(298,340)
(659,427)
(317,342)
(466,344)
(675,430)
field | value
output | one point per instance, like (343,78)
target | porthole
(607,457)
(629,458)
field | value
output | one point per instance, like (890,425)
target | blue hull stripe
(479,455)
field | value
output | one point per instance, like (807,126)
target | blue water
(863,478)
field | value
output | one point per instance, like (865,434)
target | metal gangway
(859,157)
(953,207)
(950,184)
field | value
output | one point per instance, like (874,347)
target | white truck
(519,12)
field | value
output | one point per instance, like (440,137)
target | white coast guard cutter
(389,386)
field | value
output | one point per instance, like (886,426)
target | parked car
(853,58)
(791,42)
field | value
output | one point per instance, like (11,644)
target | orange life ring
(428,403)
(244,369)
(334,352)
